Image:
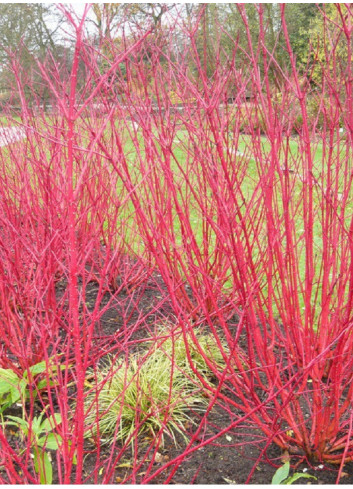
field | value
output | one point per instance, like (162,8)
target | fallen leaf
(127,464)
(228,438)
(158,458)
(285,457)
(344,474)
(229,481)
(118,480)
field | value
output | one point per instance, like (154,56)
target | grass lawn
(253,160)
(249,185)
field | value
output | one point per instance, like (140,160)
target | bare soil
(229,459)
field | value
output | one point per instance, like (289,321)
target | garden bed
(228,459)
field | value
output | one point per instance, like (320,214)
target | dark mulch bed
(228,460)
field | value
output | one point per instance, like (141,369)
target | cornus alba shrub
(242,210)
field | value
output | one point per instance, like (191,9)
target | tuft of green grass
(152,391)
(140,396)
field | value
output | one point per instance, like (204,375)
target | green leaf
(23,384)
(36,425)
(281,474)
(8,375)
(48,470)
(44,383)
(8,381)
(15,394)
(46,366)
(4,405)
(19,422)
(38,368)
(12,423)
(74,457)
(12,385)
(63,367)
(51,441)
(49,424)
(297,476)
(37,460)
(43,467)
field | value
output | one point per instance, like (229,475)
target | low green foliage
(14,388)
(40,437)
(138,395)
(150,391)
(282,476)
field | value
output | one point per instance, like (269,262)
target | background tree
(324,41)
(106,17)
(27,31)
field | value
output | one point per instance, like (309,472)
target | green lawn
(249,159)
(249,184)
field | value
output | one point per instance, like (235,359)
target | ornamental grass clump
(153,390)
(140,394)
